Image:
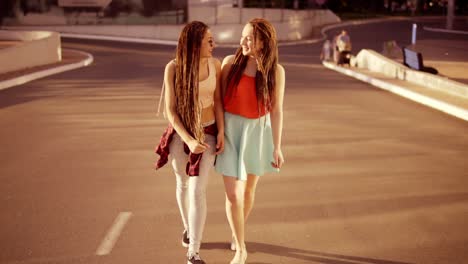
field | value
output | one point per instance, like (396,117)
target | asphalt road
(369,177)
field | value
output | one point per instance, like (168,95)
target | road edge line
(43,73)
(402,91)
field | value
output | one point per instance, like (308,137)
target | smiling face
(207,45)
(250,45)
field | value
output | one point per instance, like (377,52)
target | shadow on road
(301,254)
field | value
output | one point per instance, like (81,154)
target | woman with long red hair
(253,91)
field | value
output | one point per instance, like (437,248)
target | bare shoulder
(279,69)
(228,60)
(170,66)
(217,63)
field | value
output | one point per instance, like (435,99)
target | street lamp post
(413,34)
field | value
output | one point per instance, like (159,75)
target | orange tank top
(242,100)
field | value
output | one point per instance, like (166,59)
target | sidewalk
(449,57)
(453,105)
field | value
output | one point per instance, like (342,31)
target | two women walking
(234,111)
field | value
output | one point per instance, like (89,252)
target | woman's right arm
(171,111)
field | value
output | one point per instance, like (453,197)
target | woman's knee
(197,191)
(197,187)
(251,187)
(249,194)
(235,197)
(181,180)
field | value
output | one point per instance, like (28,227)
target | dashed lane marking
(113,234)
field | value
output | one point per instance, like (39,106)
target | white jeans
(191,191)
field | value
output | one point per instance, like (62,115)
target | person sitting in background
(343,48)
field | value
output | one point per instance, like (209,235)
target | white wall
(34,49)
(227,22)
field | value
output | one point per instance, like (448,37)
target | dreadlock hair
(186,78)
(267,60)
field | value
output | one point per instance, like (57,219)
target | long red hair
(267,61)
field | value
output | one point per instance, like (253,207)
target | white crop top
(207,87)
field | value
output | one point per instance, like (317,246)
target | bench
(414,60)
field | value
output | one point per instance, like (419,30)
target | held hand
(219,143)
(197,147)
(278,159)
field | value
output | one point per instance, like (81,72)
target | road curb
(121,39)
(43,73)
(443,30)
(402,91)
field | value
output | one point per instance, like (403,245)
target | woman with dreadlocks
(253,90)
(196,130)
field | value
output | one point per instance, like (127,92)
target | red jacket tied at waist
(193,164)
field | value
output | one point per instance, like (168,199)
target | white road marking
(113,234)
(402,91)
(43,73)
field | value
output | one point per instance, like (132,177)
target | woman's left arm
(219,109)
(277,117)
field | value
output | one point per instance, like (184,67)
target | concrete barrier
(227,22)
(374,61)
(163,32)
(35,49)
(227,29)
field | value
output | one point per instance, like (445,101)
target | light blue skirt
(248,147)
